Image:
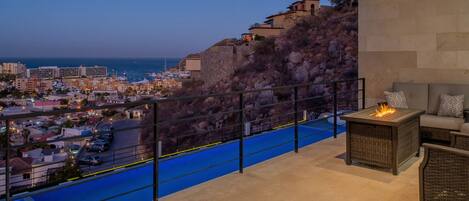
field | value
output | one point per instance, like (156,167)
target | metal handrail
(140,103)
(157,123)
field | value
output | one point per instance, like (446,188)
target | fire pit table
(385,140)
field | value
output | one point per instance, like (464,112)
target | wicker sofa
(444,172)
(434,128)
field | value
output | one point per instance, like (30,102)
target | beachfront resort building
(12,68)
(69,72)
(51,72)
(95,71)
(46,72)
(278,23)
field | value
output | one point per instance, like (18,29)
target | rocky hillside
(318,49)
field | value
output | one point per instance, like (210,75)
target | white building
(44,163)
(20,173)
(33,169)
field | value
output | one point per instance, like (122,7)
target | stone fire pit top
(368,116)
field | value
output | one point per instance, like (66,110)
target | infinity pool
(184,171)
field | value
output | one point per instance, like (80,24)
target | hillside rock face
(318,49)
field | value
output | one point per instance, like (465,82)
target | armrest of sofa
(440,177)
(447,149)
(460,140)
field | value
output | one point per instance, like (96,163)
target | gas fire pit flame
(384,110)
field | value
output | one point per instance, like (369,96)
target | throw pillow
(452,106)
(396,99)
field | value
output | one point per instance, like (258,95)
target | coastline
(136,69)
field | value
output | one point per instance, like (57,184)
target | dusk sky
(124,28)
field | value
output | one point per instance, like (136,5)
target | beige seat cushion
(433,121)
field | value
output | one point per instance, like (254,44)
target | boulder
(301,73)
(203,125)
(265,97)
(295,57)
(333,48)
(318,80)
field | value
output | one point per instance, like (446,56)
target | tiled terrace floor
(317,173)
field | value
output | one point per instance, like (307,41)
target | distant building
(12,68)
(32,169)
(74,132)
(278,23)
(107,95)
(48,72)
(265,30)
(69,72)
(46,105)
(247,37)
(21,84)
(33,85)
(192,64)
(51,72)
(21,171)
(95,71)
(134,114)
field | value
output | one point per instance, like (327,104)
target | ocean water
(136,69)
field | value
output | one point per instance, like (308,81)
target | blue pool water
(190,169)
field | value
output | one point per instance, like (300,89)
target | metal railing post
(112,130)
(241,136)
(296,117)
(177,142)
(7,161)
(155,151)
(335,108)
(363,93)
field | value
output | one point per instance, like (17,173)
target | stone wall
(266,32)
(220,61)
(412,41)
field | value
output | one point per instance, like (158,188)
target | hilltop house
(223,58)
(276,24)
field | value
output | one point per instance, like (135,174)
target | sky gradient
(124,28)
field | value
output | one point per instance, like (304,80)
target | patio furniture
(434,128)
(444,172)
(387,141)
